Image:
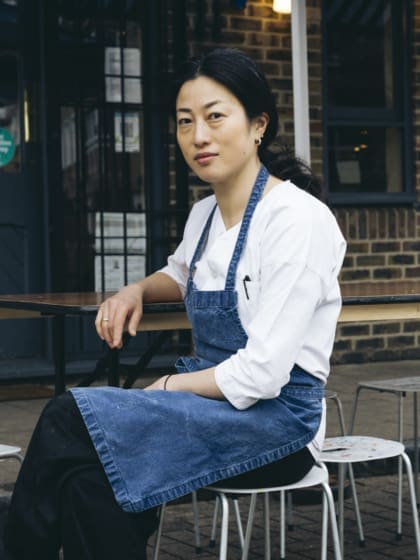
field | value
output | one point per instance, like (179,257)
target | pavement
(21,406)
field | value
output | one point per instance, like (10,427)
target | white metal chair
(318,475)
(329,395)
(400,387)
(332,396)
(353,449)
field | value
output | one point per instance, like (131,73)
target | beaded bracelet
(166,381)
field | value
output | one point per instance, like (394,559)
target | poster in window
(127,132)
(349,172)
(113,271)
(131,59)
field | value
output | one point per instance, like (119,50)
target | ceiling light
(282,6)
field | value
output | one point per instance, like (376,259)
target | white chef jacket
(288,293)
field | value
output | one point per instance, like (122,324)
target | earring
(258,141)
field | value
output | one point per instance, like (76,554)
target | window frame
(398,116)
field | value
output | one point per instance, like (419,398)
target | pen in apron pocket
(245,280)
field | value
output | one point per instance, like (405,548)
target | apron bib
(156,446)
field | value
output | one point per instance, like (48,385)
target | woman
(258,269)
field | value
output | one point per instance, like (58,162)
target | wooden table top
(361,301)
(380,292)
(80,303)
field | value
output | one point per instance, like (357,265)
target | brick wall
(383,243)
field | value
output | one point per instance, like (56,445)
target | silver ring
(105,319)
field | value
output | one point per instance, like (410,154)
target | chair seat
(354,449)
(7,450)
(317,475)
(395,384)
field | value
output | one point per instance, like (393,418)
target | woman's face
(214,133)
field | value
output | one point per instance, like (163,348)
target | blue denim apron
(156,446)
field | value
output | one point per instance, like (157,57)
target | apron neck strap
(201,242)
(256,194)
(255,197)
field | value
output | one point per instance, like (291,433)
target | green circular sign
(7,147)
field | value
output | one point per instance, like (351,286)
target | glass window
(360,62)
(366,117)
(102,148)
(365,158)
(10,152)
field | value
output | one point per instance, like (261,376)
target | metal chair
(353,449)
(399,387)
(329,395)
(318,475)
(333,397)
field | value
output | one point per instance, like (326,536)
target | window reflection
(365,159)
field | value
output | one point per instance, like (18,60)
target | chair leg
(214,524)
(225,527)
(159,532)
(249,525)
(324,534)
(413,500)
(267,540)
(398,535)
(356,506)
(351,473)
(282,525)
(353,414)
(341,477)
(333,521)
(416,446)
(340,414)
(196,515)
(238,521)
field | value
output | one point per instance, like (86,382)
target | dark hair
(237,72)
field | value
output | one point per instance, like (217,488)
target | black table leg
(136,370)
(113,368)
(59,349)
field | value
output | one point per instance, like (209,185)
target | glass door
(108,194)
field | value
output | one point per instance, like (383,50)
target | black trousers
(62,497)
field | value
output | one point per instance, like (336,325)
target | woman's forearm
(159,287)
(198,382)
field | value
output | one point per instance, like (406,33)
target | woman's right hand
(125,307)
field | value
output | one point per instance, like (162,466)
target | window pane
(365,159)
(359,47)
(10,148)
(8,12)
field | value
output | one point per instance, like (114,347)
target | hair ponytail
(286,166)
